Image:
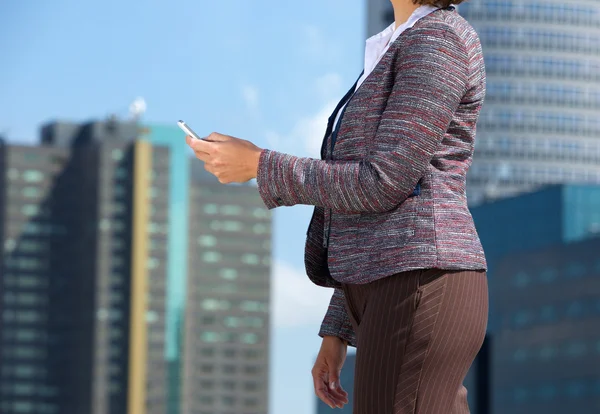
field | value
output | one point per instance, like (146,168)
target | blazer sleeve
(431,78)
(337,322)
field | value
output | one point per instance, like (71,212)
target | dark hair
(439,3)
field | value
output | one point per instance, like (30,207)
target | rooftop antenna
(137,108)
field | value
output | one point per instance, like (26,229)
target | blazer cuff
(337,322)
(273,166)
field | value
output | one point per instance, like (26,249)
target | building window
(211,209)
(229,369)
(207,352)
(153,263)
(211,257)
(250,258)
(253,306)
(216,304)
(260,228)
(229,353)
(207,368)
(207,240)
(231,210)
(228,274)
(12,174)
(210,337)
(30,210)
(117,154)
(249,338)
(522,279)
(31,192)
(260,213)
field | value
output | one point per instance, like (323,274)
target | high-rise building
(177,245)
(544,315)
(546,354)
(226,348)
(82,292)
(130,283)
(540,121)
(347,382)
(380,14)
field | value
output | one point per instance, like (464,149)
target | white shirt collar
(378,44)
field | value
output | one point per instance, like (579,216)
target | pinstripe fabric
(418,333)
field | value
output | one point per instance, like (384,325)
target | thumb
(334,379)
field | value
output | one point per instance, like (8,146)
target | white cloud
(316,45)
(296,300)
(307,133)
(251,96)
(329,86)
(311,130)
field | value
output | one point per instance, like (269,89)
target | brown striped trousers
(418,333)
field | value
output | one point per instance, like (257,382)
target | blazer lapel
(333,116)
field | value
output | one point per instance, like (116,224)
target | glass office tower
(540,123)
(177,267)
(542,250)
(541,119)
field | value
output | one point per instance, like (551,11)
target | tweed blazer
(410,125)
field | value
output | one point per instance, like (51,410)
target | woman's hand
(231,160)
(326,372)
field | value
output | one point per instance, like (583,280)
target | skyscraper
(82,286)
(544,283)
(540,120)
(226,349)
(123,268)
(379,15)
(171,137)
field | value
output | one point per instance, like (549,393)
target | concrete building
(226,349)
(82,286)
(132,281)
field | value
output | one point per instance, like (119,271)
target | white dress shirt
(377,45)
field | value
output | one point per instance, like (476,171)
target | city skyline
(97,201)
(195,74)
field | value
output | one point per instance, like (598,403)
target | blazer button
(279,200)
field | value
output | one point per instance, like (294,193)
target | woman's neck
(403,9)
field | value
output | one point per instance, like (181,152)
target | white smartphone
(187,129)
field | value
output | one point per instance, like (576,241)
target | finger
(200,145)
(339,393)
(202,156)
(216,137)
(335,387)
(324,395)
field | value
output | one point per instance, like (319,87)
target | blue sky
(268,71)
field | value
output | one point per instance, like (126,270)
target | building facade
(83,292)
(540,123)
(542,266)
(226,349)
(547,345)
(172,138)
(541,119)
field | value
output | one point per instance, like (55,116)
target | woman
(391,231)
